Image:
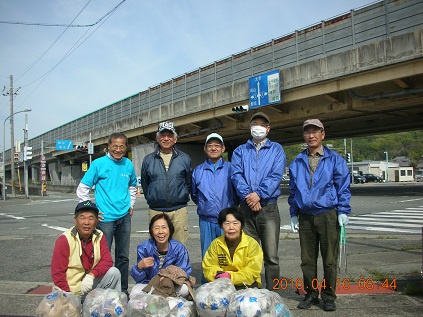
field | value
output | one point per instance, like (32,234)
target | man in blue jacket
(319,203)
(166,180)
(257,169)
(212,190)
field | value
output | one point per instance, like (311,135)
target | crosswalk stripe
(408,220)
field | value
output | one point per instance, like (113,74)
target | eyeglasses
(213,146)
(311,132)
(118,147)
(256,124)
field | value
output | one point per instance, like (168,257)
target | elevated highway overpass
(361,73)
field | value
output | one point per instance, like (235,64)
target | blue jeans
(120,230)
(264,226)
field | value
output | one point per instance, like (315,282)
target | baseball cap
(86,206)
(260,115)
(214,136)
(315,122)
(166,125)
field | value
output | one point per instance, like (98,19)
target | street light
(386,167)
(4,146)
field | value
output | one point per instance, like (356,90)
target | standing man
(115,182)
(212,190)
(81,260)
(166,180)
(319,203)
(257,169)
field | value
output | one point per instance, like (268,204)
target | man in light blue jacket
(319,203)
(114,179)
(257,169)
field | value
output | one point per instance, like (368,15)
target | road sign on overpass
(264,89)
(63,145)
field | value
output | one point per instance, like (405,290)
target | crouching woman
(234,254)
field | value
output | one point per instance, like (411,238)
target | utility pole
(24,162)
(11,93)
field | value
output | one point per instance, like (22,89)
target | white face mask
(258,132)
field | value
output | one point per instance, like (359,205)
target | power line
(70,51)
(48,49)
(64,25)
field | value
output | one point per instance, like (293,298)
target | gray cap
(214,136)
(260,115)
(315,122)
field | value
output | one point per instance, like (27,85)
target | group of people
(238,213)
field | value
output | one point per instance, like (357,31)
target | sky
(65,72)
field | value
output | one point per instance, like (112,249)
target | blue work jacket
(259,172)
(212,189)
(176,255)
(330,187)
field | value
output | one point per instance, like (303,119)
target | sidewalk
(14,301)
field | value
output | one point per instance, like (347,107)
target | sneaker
(307,302)
(329,305)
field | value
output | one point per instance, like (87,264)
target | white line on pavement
(55,227)
(11,216)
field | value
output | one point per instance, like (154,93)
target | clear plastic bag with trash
(254,302)
(180,307)
(104,303)
(147,305)
(213,298)
(59,303)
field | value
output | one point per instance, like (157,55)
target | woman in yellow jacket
(234,254)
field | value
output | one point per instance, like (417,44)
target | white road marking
(55,227)
(12,216)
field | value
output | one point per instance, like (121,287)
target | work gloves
(343,220)
(87,284)
(294,224)
(222,275)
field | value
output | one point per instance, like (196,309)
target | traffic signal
(27,153)
(348,157)
(82,147)
(16,157)
(240,109)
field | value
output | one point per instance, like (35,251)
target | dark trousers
(264,226)
(319,231)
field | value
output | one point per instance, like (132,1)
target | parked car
(358,179)
(372,178)
(419,176)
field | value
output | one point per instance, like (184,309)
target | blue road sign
(63,145)
(264,89)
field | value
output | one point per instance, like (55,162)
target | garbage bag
(59,303)
(104,303)
(147,305)
(213,298)
(254,302)
(180,307)
(281,310)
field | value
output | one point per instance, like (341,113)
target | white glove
(87,284)
(343,220)
(294,224)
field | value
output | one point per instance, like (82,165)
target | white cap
(214,136)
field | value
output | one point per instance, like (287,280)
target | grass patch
(387,237)
(379,276)
(411,247)
(413,289)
